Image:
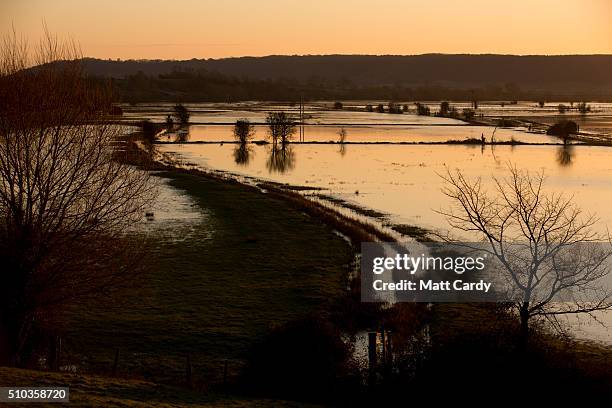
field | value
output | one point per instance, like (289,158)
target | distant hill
(574,76)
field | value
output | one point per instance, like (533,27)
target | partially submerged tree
(422,109)
(149,131)
(584,108)
(468,114)
(563,129)
(544,244)
(281,127)
(444,108)
(243,131)
(169,123)
(65,200)
(394,108)
(182,114)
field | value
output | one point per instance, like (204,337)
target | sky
(185,29)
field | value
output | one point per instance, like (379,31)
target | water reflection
(403,180)
(242,154)
(280,159)
(565,155)
(182,135)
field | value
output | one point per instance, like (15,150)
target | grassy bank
(252,263)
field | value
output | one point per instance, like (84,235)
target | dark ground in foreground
(88,391)
(255,262)
(212,296)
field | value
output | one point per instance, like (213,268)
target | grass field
(252,263)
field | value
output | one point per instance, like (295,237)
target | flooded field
(377,134)
(402,181)
(598,119)
(174,216)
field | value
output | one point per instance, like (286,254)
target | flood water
(598,119)
(403,180)
(379,133)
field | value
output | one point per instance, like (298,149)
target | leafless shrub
(65,201)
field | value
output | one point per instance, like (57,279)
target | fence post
(116,362)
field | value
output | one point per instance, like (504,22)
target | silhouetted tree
(468,114)
(149,131)
(281,127)
(169,123)
(66,201)
(444,108)
(583,108)
(394,108)
(563,129)
(422,109)
(338,105)
(556,239)
(243,131)
(181,113)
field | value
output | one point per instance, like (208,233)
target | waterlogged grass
(418,233)
(252,263)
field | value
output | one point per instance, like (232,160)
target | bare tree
(243,131)
(182,114)
(66,202)
(545,245)
(281,127)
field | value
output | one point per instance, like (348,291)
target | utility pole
(301,118)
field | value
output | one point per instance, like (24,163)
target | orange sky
(183,29)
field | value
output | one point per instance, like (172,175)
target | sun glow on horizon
(185,29)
